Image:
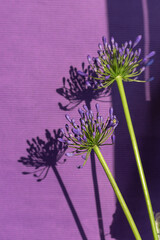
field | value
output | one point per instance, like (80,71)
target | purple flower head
(114,62)
(89,132)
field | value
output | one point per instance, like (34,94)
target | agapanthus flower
(114,61)
(89,133)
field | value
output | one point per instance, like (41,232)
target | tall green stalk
(118,193)
(137,156)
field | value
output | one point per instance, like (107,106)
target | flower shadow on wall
(76,90)
(43,155)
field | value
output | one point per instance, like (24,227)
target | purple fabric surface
(39,41)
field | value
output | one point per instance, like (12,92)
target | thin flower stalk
(137,156)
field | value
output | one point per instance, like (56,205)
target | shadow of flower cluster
(75,89)
(43,154)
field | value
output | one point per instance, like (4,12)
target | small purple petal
(81,112)
(111,113)
(61,140)
(87,115)
(116,46)
(100,53)
(90,113)
(85,107)
(73,121)
(67,127)
(98,118)
(88,83)
(83,127)
(127,51)
(126,44)
(97,107)
(84,138)
(98,60)
(139,51)
(67,117)
(113,138)
(109,47)
(99,129)
(151,54)
(112,39)
(100,46)
(82,74)
(150,62)
(104,41)
(120,51)
(82,121)
(131,54)
(89,59)
(62,131)
(76,131)
(138,39)
(130,43)
(150,79)
(142,69)
(107,77)
(79,139)
(94,134)
(101,118)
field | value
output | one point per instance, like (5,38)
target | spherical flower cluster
(114,61)
(91,132)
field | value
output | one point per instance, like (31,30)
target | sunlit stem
(118,193)
(137,156)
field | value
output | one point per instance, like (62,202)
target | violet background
(39,42)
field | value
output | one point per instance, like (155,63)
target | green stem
(118,193)
(137,155)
